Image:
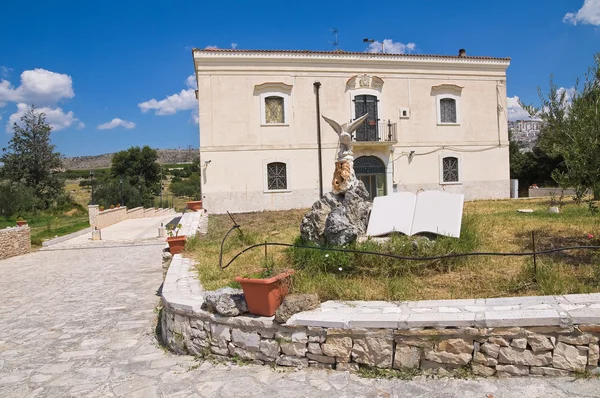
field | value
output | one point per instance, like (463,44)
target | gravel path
(77,319)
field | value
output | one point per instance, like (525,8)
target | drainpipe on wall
(317,86)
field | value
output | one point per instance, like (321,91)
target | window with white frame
(448,110)
(274,103)
(447,98)
(274,110)
(450,169)
(277,176)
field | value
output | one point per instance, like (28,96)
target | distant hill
(165,156)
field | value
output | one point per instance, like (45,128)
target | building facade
(435,122)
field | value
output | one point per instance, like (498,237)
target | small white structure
(435,123)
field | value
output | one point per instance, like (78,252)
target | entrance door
(368,130)
(371,171)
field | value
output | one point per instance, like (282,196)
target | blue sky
(115,74)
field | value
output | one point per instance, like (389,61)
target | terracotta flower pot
(194,205)
(264,296)
(176,243)
(20,223)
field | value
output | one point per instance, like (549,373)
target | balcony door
(366,104)
(371,171)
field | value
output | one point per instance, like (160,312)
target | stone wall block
(593,355)
(221,334)
(285,360)
(269,348)
(299,337)
(483,359)
(482,370)
(320,358)
(198,334)
(373,351)
(456,346)
(267,333)
(407,357)
(316,339)
(247,340)
(319,365)
(294,349)
(491,349)
(540,343)
(511,370)
(519,343)
(575,340)
(315,348)
(337,346)
(347,367)
(545,371)
(516,356)
(415,342)
(447,357)
(569,358)
(501,341)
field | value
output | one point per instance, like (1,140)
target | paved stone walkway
(77,320)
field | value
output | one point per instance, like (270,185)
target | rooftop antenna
(335,43)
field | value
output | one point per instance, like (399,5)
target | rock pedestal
(338,218)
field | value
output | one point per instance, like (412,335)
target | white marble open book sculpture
(436,212)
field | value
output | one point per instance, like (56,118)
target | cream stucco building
(435,122)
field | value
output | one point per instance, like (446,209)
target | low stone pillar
(96,234)
(93,213)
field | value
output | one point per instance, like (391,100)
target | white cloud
(589,13)
(184,100)
(5,71)
(56,118)
(391,47)
(569,92)
(234,45)
(191,82)
(116,122)
(515,110)
(211,48)
(38,87)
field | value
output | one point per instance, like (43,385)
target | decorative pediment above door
(364,81)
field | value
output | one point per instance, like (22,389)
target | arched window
(276,176)
(274,110)
(450,169)
(447,110)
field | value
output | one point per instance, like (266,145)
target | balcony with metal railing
(375,133)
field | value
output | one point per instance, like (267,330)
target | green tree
(571,132)
(30,158)
(139,166)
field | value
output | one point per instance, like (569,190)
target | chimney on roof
(462,52)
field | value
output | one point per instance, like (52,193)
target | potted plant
(176,242)
(101,208)
(21,222)
(194,205)
(265,290)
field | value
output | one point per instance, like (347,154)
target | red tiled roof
(341,52)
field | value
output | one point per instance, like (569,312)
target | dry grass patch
(493,226)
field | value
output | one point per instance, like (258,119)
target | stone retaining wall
(502,352)
(14,241)
(518,336)
(102,219)
(537,346)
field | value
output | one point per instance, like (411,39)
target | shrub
(16,200)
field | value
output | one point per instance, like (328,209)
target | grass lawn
(487,226)
(46,225)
